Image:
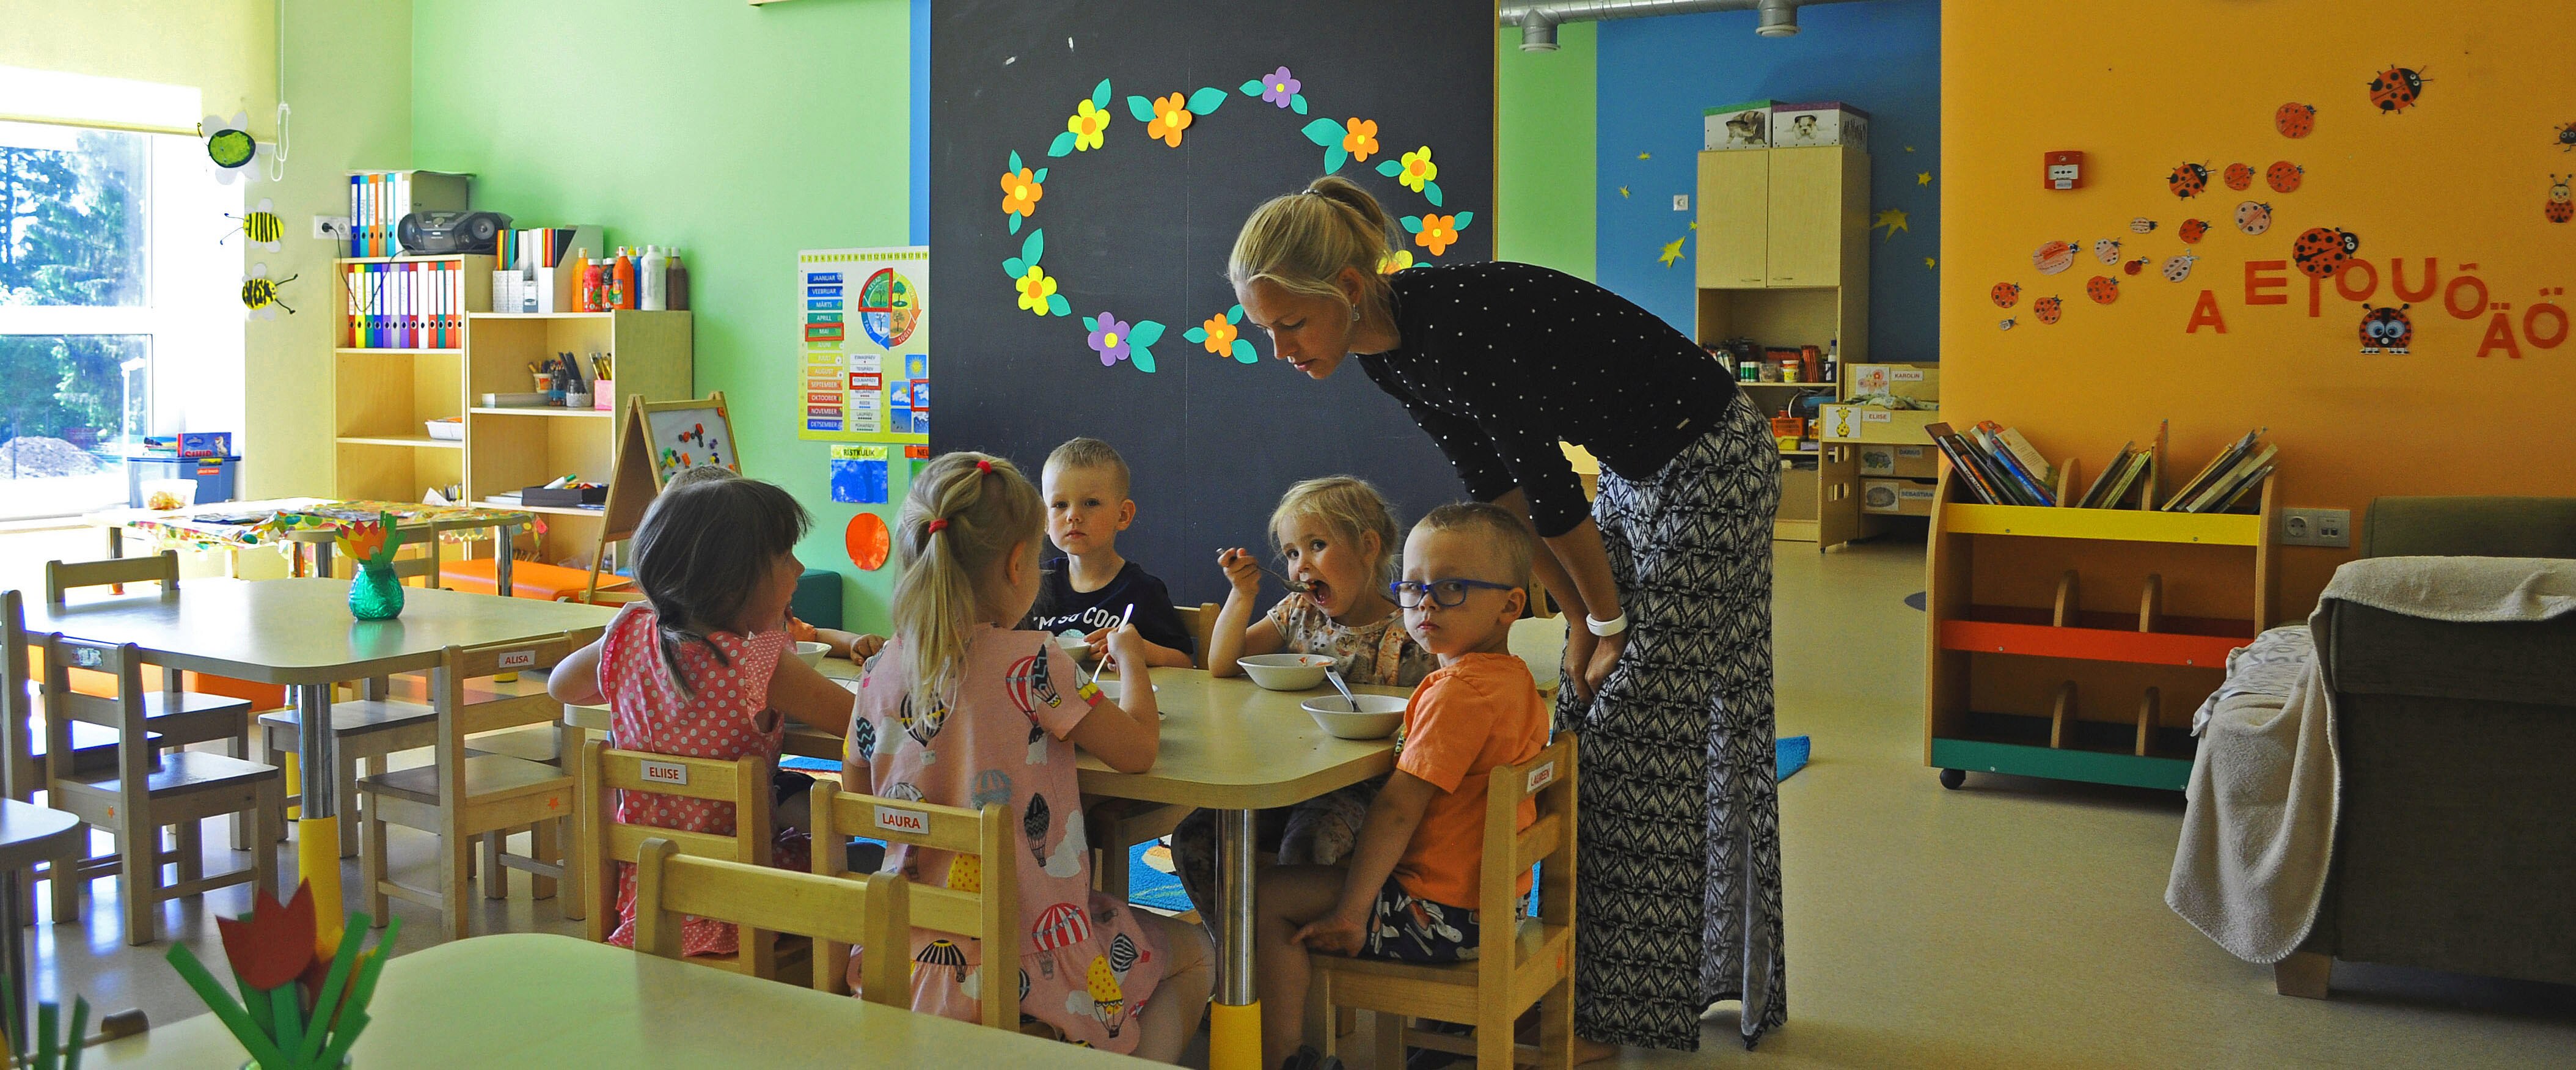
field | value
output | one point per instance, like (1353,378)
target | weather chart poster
(864,330)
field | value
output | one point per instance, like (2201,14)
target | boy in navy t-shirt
(1090,588)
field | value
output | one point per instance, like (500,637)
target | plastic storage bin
(214,476)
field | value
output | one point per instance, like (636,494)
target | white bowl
(1377,718)
(1286,672)
(812,653)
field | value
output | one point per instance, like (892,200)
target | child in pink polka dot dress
(705,666)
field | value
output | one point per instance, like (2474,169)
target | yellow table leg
(294,785)
(1234,1036)
(317,859)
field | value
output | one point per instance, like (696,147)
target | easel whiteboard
(686,437)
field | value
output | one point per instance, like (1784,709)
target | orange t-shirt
(1475,714)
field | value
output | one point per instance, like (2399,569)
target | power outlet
(1681,202)
(331,227)
(2316,527)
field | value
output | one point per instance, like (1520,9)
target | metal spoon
(1293,586)
(1344,688)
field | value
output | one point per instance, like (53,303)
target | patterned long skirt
(1678,890)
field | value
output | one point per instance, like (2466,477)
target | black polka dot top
(1500,360)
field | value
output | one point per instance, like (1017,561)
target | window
(114,291)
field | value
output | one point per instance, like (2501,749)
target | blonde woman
(1669,685)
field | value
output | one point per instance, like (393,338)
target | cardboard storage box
(1736,126)
(1827,122)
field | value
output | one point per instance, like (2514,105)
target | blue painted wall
(1658,74)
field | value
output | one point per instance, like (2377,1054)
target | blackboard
(1141,229)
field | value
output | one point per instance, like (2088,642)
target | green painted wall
(1544,150)
(739,134)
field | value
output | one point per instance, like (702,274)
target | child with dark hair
(704,667)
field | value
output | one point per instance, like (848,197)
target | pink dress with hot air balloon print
(1084,965)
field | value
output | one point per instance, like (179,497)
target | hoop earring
(1355,315)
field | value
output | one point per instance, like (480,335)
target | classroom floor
(2013,923)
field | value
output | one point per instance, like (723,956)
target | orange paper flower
(1438,233)
(1220,336)
(1171,116)
(273,946)
(1359,138)
(1021,192)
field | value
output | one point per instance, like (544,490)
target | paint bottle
(655,273)
(587,270)
(625,284)
(676,285)
(1833,360)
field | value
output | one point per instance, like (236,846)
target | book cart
(2074,643)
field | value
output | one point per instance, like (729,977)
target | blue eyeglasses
(1409,594)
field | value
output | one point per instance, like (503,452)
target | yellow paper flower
(1395,261)
(1438,233)
(1171,116)
(1087,123)
(1418,169)
(1220,336)
(1035,287)
(1359,138)
(1021,192)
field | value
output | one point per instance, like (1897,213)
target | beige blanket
(2259,813)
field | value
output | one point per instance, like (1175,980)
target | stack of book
(2226,480)
(1996,464)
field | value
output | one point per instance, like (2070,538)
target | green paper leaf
(46,1051)
(79,1031)
(366,983)
(1431,192)
(1244,352)
(1143,360)
(353,1022)
(1297,103)
(1460,221)
(288,1017)
(236,1019)
(1015,267)
(1324,132)
(1412,224)
(17,1023)
(1141,108)
(1015,161)
(1251,88)
(1058,306)
(1090,324)
(1100,94)
(1015,222)
(1063,144)
(1206,101)
(1234,315)
(1334,158)
(1144,334)
(1040,177)
(1389,168)
(1033,247)
(1195,334)
(327,1006)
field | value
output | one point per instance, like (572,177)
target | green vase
(375,593)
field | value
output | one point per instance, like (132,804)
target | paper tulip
(273,946)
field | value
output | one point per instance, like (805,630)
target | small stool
(28,834)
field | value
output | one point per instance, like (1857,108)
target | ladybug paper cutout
(2565,139)
(2562,204)
(2103,289)
(2143,225)
(2322,251)
(2053,257)
(2284,176)
(2193,230)
(2239,176)
(2005,294)
(2395,89)
(2295,120)
(2107,250)
(2178,268)
(2135,266)
(2386,330)
(2046,308)
(2188,180)
(2253,217)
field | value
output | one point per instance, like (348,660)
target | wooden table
(298,632)
(526,999)
(28,834)
(186,526)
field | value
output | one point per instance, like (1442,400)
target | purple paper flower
(1280,87)
(1109,339)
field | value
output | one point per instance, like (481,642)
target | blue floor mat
(1791,754)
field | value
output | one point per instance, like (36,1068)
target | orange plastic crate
(528,579)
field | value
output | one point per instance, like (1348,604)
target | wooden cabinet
(1734,218)
(1782,217)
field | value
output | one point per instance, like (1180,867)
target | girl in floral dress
(704,666)
(962,710)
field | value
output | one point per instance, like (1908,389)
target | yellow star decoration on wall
(1672,252)
(1623,191)
(1891,218)
(1929,263)
(1645,156)
(1923,178)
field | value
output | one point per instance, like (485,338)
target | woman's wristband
(1605,628)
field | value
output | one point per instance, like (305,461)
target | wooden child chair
(605,841)
(463,794)
(1202,625)
(364,731)
(981,899)
(136,798)
(670,886)
(1118,825)
(1519,962)
(180,717)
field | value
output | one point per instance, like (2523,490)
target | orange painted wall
(2462,177)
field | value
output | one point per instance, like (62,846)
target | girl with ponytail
(962,709)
